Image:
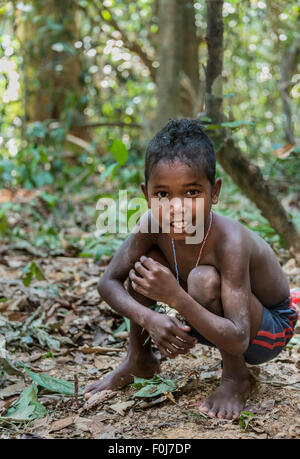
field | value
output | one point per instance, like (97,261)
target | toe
(222,413)
(212,412)
(236,413)
(228,413)
(204,408)
(88,388)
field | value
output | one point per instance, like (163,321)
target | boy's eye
(193,192)
(161,194)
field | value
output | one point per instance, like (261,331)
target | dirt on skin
(274,404)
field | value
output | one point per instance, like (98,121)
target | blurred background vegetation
(84,84)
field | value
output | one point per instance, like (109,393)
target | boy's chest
(186,256)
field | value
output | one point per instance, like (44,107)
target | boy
(230,290)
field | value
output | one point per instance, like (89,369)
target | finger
(140,269)
(182,331)
(182,348)
(136,279)
(148,262)
(175,341)
(137,288)
(172,351)
(185,337)
(163,351)
(184,327)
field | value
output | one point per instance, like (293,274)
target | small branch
(57,124)
(110,124)
(132,46)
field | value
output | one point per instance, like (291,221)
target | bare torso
(268,282)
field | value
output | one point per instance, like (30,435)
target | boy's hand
(154,280)
(170,335)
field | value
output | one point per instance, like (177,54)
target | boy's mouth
(179,224)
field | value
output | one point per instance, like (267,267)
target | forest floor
(70,307)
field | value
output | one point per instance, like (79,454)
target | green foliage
(22,335)
(27,408)
(56,385)
(245,419)
(32,270)
(119,152)
(153,387)
(103,46)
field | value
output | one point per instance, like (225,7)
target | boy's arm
(231,332)
(163,329)
(111,283)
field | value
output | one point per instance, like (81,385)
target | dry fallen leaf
(93,425)
(102,364)
(99,397)
(284,151)
(13,389)
(121,407)
(98,350)
(62,423)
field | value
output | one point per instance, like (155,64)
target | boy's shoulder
(231,235)
(229,228)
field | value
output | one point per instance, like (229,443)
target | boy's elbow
(100,286)
(105,284)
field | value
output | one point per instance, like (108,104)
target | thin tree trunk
(251,181)
(190,78)
(170,56)
(288,68)
(214,39)
(245,174)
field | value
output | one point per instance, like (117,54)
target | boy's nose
(177,207)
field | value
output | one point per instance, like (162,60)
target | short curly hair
(185,140)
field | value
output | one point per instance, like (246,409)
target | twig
(76,391)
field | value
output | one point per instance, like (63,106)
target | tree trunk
(170,57)
(287,68)
(190,78)
(251,181)
(246,175)
(53,85)
(214,39)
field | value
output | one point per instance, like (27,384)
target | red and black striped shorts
(275,331)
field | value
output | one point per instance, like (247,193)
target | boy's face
(180,181)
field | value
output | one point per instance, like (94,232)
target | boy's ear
(216,190)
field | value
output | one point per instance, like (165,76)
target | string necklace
(201,248)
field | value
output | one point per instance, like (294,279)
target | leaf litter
(59,335)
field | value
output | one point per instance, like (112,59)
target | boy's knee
(204,284)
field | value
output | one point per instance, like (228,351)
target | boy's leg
(228,400)
(140,360)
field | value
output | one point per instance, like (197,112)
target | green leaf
(245,418)
(3,225)
(45,339)
(110,172)
(55,385)
(50,199)
(106,15)
(238,123)
(30,270)
(119,152)
(27,408)
(153,387)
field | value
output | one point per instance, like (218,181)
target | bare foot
(228,400)
(124,374)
